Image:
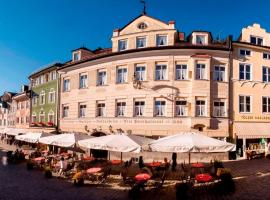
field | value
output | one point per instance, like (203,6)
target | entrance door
(239,147)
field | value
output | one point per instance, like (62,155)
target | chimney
(171,24)
(181,36)
(116,32)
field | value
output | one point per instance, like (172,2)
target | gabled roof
(138,18)
(45,69)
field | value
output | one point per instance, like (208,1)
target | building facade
(3,115)
(44,99)
(153,82)
(21,108)
(9,107)
(250,89)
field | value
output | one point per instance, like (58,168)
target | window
(66,85)
(17,120)
(256,40)
(102,78)
(101,109)
(82,110)
(219,73)
(161,72)
(42,98)
(181,108)
(34,100)
(22,105)
(121,107)
(27,104)
(122,45)
(42,117)
(244,52)
(140,73)
(139,108)
(244,104)
(181,72)
(161,40)
(200,108)
(22,120)
(51,96)
(141,42)
(65,111)
(76,56)
(53,75)
(266,56)
(122,75)
(51,117)
(266,104)
(266,74)
(26,120)
(200,39)
(219,109)
(18,105)
(200,71)
(83,81)
(142,25)
(244,72)
(160,108)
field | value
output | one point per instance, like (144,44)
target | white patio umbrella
(63,140)
(14,131)
(117,142)
(190,142)
(31,137)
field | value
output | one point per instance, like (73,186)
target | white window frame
(101,109)
(245,52)
(41,115)
(52,92)
(162,76)
(181,74)
(40,98)
(217,110)
(245,109)
(101,81)
(66,88)
(200,72)
(267,105)
(82,111)
(245,71)
(124,75)
(34,115)
(182,109)
(51,113)
(121,108)
(157,38)
(76,53)
(160,110)
(119,47)
(65,115)
(218,73)
(199,109)
(267,56)
(257,37)
(83,83)
(200,43)
(140,75)
(139,110)
(267,74)
(141,37)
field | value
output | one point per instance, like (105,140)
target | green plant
(29,165)
(48,172)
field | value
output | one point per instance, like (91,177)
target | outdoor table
(116,162)
(39,159)
(142,177)
(154,164)
(197,165)
(93,170)
(203,178)
(88,158)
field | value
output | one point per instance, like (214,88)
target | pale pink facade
(153,83)
(21,103)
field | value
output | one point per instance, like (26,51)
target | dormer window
(200,39)
(161,40)
(141,42)
(122,45)
(256,40)
(76,56)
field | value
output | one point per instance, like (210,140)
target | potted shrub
(50,124)
(41,124)
(29,165)
(48,172)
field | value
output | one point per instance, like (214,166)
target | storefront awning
(252,130)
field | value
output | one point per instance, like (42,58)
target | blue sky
(35,33)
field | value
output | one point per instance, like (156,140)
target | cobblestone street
(252,182)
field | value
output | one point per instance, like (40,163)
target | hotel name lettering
(135,121)
(251,117)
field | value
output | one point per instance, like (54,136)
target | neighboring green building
(44,98)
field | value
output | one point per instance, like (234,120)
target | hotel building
(154,81)
(250,89)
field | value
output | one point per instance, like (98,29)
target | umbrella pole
(189,157)
(121,157)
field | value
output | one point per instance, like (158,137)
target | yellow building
(152,82)
(250,88)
